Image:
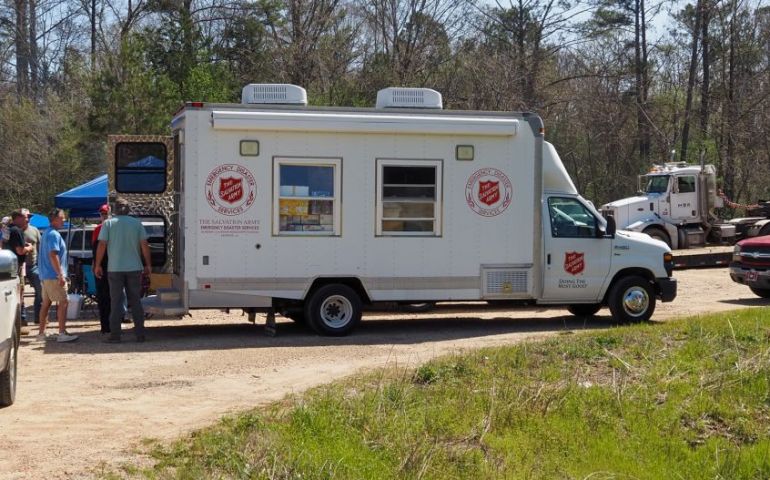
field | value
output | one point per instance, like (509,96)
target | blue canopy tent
(39,221)
(84,200)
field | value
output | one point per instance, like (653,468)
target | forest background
(620,84)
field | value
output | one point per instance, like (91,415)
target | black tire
(421,307)
(658,234)
(584,309)
(631,299)
(8,376)
(333,310)
(761,292)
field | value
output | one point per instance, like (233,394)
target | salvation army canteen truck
(273,205)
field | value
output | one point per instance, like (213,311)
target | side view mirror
(611,227)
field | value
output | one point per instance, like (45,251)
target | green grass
(688,399)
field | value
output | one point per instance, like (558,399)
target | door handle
(8,293)
(548,259)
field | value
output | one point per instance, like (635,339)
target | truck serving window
(306,196)
(570,219)
(140,167)
(408,197)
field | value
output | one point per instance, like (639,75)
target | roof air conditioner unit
(273,93)
(395,97)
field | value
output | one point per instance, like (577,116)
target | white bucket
(73,307)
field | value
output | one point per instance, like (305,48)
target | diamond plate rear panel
(161,204)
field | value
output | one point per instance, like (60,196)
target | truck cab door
(684,199)
(577,257)
(143,170)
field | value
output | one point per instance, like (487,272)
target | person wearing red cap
(103,299)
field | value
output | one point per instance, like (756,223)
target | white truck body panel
(444,267)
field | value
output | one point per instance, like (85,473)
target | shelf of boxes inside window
(306,214)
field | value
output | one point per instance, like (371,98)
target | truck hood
(626,202)
(644,239)
(756,242)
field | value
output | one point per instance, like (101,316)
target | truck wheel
(8,377)
(658,234)
(761,292)
(632,299)
(333,310)
(584,309)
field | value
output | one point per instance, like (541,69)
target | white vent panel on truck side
(502,282)
(273,94)
(394,97)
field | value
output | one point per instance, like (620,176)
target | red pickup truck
(751,264)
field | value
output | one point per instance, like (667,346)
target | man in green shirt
(124,240)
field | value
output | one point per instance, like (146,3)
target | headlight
(737,253)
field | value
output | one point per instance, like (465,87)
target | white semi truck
(676,203)
(272,205)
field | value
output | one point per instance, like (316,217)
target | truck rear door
(577,258)
(143,170)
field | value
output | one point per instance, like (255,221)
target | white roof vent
(396,97)
(273,93)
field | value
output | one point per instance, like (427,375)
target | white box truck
(272,205)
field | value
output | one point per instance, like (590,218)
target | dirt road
(83,404)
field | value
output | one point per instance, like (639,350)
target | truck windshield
(657,184)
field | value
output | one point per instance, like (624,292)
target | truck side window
(140,167)
(686,184)
(570,219)
(306,196)
(408,197)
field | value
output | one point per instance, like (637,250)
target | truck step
(153,304)
(169,295)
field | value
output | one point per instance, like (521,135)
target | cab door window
(570,219)
(685,184)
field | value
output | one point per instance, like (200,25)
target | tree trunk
(728,167)
(696,30)
(33,53)
(21,40)
(704,96)
(93,35)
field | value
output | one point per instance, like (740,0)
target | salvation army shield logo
(574,262)
(488,192)
(230,189)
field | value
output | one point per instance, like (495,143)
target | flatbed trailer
(705,257)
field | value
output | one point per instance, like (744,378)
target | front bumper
(750,276)
(666,288)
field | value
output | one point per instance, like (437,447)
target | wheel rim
(636,301)
(336,311)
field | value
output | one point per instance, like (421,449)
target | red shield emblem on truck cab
(574,262)
(489,192)
(231,189)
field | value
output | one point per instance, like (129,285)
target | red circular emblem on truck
(230,189)
(488,192)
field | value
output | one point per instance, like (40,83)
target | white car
(10,326)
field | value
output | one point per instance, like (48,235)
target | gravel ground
(84,405)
